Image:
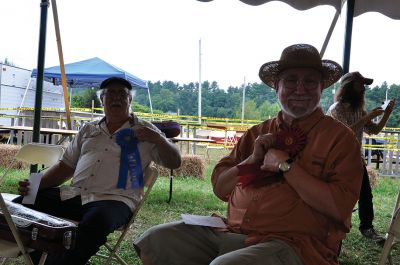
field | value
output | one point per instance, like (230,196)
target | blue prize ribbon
(130,159)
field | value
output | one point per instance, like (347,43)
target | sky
(159,39)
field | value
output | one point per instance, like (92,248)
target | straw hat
(299,56)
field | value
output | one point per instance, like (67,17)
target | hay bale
(373,176)
(192,166)
(7,153)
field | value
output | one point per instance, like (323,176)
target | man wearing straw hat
(349,109)
(291,182)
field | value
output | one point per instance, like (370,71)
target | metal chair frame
(151,175)
(32,153)
(393,235)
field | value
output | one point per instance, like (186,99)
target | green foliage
(250,111)
(84,98)
(261,101)
(195,196)
(136,107)
(268,110)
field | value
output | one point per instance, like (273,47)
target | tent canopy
(390,8)
(89,73)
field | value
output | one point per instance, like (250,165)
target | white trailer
(17,89)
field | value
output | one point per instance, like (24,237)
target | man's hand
(146,134)
(261,145)
(23,187)
(272,159)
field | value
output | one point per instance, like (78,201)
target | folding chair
(32,153)
(393,235)
(151,174)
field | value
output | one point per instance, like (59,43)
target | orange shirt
(332,154)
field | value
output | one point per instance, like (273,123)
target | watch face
(284,166)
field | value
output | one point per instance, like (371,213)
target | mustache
(299,98)
(116,104)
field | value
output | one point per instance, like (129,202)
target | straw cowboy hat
(300,56)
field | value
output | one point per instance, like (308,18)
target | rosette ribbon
(290,140)
(129,160)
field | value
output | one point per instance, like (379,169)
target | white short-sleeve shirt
(95,156)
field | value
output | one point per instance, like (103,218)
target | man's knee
(274,252)
(105,217)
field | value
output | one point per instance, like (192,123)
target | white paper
(209,221)
(34,182)
(385,104)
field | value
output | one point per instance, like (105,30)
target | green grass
(195,196)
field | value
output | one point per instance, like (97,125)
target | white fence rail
(383,150)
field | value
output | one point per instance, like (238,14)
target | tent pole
(23,98)
(331,28)
(347,36)
(44,4)
(151,105)
(62,67)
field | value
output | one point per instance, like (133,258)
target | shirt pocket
(90,144)
(317,165)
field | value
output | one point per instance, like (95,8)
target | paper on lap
(209,221)
(34,182)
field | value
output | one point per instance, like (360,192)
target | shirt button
(92,175)
(106,149)
(98,160)
(247,220)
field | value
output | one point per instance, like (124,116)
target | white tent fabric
(390,8)
(298,4)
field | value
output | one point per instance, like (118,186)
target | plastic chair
(393,235)
(32,153)
(151,174)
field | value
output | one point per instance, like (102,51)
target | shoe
(370,233)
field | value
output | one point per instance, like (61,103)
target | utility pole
(243,98)
(199,97)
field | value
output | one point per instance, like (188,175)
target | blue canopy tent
(89,73)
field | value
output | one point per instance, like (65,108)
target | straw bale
(7,153)
(373,176)
(192,166)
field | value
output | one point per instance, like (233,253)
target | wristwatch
(285,165)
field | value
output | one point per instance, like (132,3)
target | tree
(261,101)
(7,62)
(268,110)
(84,99)
(250,111)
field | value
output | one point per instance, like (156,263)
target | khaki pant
(180,244)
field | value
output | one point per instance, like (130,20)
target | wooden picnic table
(17,130)
(191,139)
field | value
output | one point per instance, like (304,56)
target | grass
(195,196)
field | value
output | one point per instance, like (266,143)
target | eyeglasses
(116,93)
(308,83)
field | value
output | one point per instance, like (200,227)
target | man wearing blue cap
(106,172)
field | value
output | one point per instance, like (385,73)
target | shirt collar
(132,120)
(305,123)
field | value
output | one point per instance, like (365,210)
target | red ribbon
(291,140)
